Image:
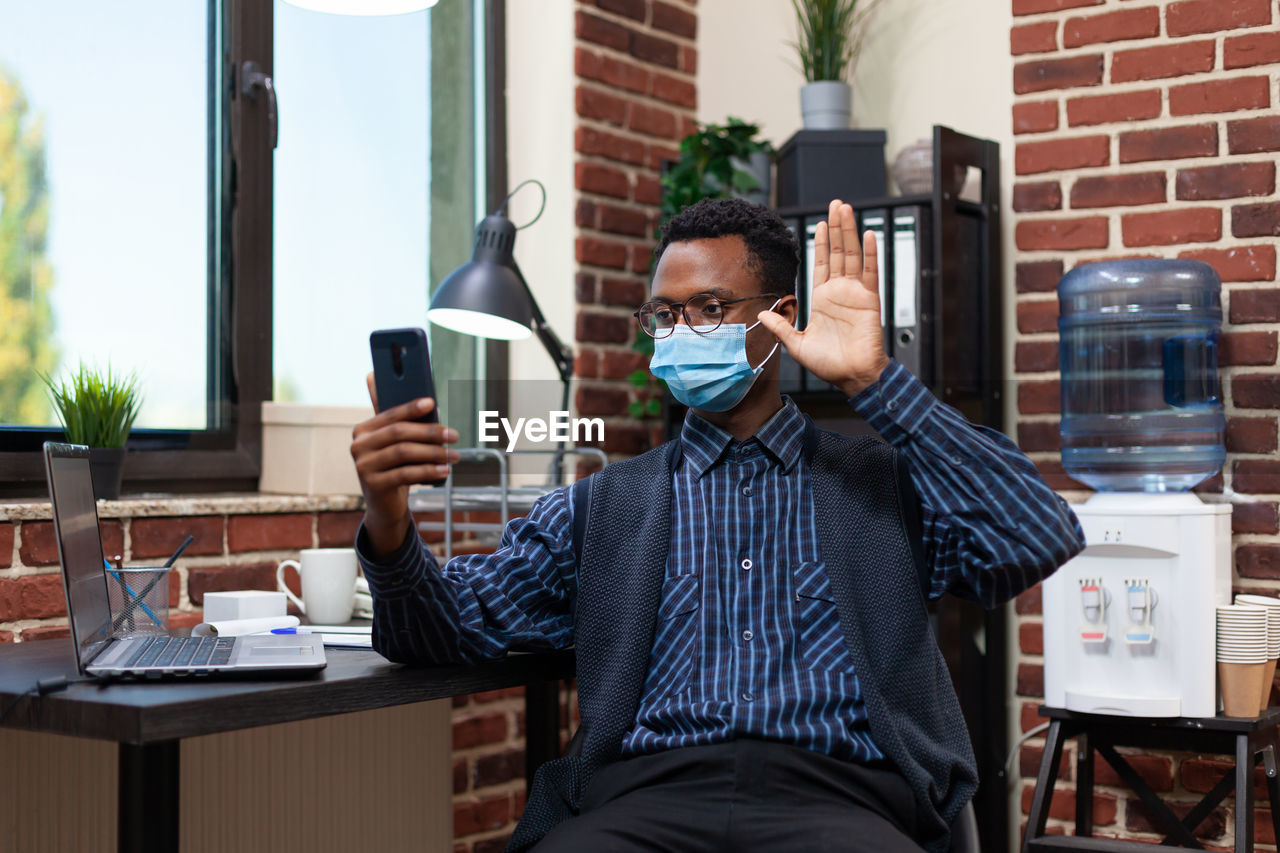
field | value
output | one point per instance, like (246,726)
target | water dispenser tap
(1093,607)
(1141,599)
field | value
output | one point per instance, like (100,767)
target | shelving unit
(953,339)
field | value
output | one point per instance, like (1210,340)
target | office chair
(964,831)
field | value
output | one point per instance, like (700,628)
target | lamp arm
(561,354)
(563,358)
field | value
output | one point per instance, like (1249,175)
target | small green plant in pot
(830,34)
(97,409)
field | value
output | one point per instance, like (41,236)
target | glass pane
(352,190)
(458,141)
(104,201)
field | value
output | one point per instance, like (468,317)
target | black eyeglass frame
(680,307)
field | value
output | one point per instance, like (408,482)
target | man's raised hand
(843,342)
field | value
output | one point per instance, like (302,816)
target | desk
(1245,738)
(148,720)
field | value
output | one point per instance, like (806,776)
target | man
(755,665)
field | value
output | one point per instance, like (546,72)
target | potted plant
(717,161)
(829,40)
(98,410)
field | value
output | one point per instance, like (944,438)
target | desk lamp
(488,297)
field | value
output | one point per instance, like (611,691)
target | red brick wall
(1148,128)
(232,551)
(634,63)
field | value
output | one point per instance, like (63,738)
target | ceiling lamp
(363,7)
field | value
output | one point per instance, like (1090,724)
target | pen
(178,553)
(136,597)
(291,630)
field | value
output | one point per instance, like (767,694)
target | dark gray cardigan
(865,506)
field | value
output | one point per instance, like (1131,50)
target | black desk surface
(148,712)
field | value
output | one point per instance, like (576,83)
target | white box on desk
(243,604)
(306,450)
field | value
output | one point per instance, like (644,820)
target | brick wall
(231,550)
(1148,128)
(634,64)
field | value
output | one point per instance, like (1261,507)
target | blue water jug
(1141,410)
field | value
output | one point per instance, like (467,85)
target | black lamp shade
(486,296)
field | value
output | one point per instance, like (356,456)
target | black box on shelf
(815,166)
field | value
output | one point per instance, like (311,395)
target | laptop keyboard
(182,652)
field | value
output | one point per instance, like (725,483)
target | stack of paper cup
(1272,606)
(1242,657)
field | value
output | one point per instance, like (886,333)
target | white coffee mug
(328,584)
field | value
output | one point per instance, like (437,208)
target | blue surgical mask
(707,371)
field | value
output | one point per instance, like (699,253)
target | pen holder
(139,597)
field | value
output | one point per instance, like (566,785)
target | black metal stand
(147,811)
(1246,738)
(541,727)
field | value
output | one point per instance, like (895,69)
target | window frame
(228,457)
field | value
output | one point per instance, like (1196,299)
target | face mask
(707,371)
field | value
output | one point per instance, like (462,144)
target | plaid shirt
(748,642)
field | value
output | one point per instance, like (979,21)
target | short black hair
(773,255)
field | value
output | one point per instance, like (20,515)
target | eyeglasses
(703,313)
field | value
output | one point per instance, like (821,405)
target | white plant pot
(826,105)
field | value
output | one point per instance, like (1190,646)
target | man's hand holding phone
(392,451)
(403,445)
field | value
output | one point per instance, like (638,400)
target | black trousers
(742,796)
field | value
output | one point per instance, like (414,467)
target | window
(377,188)
(139,229)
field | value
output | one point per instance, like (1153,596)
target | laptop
(99,652)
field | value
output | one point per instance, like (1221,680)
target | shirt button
(957,460)
(747,696)
(746,490)
(747,635)
(747,564)
(892,405)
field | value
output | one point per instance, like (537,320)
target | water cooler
(1129,623)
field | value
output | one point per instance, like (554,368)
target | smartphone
(402,369)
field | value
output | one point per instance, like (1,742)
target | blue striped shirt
(748,641)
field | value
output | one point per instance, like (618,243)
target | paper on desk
(343,636)
(241,627)
(348,641)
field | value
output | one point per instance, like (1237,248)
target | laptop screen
(75,523)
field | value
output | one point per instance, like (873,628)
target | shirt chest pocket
(817,621)
(675,644)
